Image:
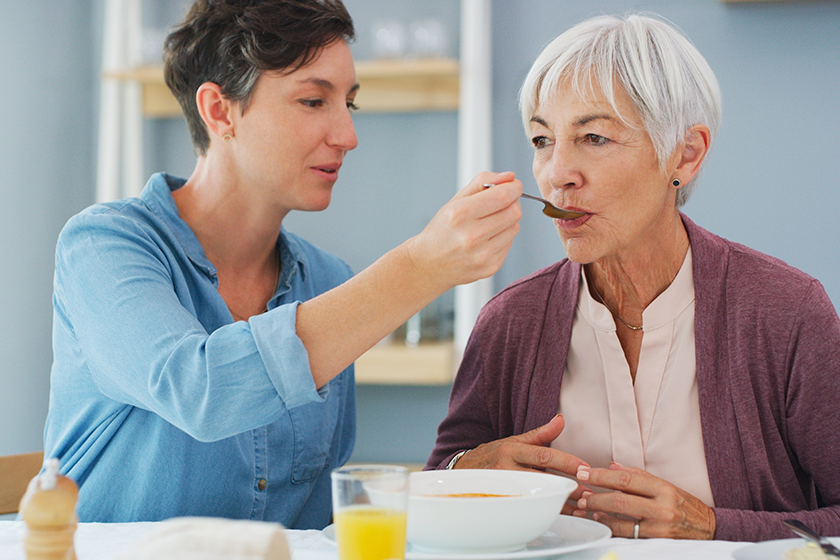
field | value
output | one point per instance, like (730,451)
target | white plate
(566,534)
(772,550)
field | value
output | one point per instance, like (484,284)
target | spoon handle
(804,531)
(550,210)
(538,199)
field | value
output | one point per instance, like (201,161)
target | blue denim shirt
(160,404)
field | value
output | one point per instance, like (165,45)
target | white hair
(667,80)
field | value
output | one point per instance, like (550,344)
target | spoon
(550,210)
(804,531)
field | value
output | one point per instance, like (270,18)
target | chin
(318,204)
(579,250)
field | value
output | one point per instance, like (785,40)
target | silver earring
(676,182)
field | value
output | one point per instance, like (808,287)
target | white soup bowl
(479,511)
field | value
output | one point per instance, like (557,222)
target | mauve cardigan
(768,378)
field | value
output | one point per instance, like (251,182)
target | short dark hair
(231,42)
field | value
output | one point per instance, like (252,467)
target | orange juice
(370,533)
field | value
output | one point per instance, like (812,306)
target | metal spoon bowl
(550,210)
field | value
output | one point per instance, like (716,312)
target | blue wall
(46,157)
(770,183)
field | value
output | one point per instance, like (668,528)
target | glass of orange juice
(369,507)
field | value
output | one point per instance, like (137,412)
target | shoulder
(754,274)
(529,296)
(119,219)
(754,288)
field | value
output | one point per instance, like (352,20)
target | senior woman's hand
(662,509)
(528,451)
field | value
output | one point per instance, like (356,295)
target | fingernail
(583,473)
(579,513)
(582,503)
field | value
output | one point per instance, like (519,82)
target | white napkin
(205,538)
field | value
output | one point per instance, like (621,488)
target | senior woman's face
(587,158)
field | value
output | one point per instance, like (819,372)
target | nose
(343,134)
(564,172)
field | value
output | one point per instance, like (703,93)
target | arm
(467,423)
(809,427)
(128,299)
(467,240)
(478,389)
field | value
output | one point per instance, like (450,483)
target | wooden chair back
(15,473)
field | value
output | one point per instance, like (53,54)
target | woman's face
(292,138)
(587,158)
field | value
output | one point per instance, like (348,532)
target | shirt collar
(157,195)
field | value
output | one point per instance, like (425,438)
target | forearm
(340,325)
(747,525)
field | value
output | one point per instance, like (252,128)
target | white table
(107,541)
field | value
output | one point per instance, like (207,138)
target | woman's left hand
(662,509)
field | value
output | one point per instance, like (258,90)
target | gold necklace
(239,317)
(626,324)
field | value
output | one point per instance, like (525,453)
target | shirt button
(262,484)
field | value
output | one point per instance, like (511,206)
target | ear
(694,150)
(215,109)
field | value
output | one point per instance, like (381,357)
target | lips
(327,171)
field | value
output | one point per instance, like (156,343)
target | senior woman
(203,354)
(688,382)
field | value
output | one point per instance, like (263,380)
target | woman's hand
(528,451)
(470,236)
(662,509)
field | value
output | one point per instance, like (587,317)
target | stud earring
(676,182)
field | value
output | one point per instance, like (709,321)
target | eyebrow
(326,84)
(593,117)
(581,121)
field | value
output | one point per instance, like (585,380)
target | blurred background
(769,182)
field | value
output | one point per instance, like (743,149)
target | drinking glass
(369,506)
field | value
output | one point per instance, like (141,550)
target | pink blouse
(654,425)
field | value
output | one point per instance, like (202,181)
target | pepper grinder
(49,510)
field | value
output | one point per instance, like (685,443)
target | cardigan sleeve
(809,429)
(467,424)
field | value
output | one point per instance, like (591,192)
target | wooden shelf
(408,85)
(397,364)
(386,87)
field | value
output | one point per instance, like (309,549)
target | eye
(312,103)
(540,142)
(352,106)
(596,139)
